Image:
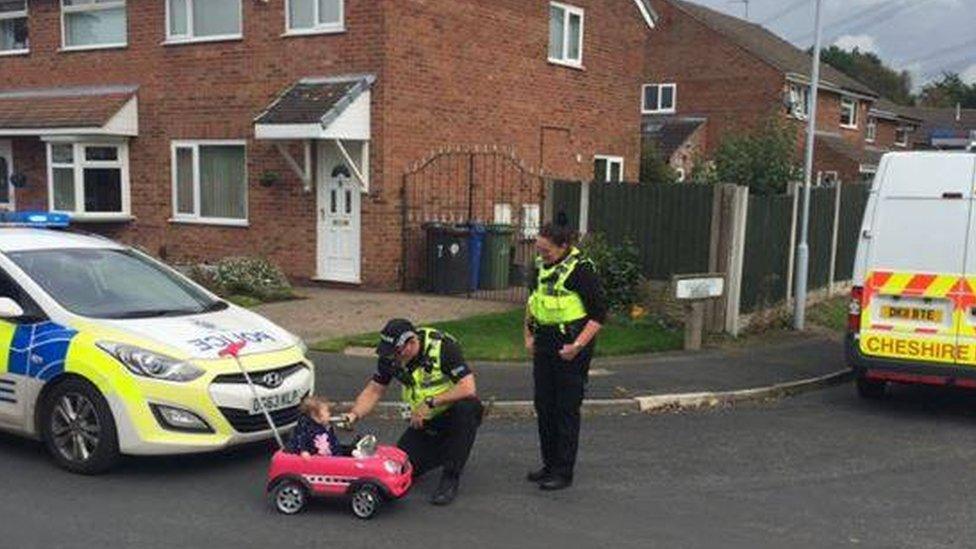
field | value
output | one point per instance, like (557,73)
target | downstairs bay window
(89,180)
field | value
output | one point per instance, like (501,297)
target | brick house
(737,74)
(943,128)
(284,127)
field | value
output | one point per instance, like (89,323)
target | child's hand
(306,456)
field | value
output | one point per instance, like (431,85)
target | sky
(924,37)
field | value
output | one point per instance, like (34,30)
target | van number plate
(912,313)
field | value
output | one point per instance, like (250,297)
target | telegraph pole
(803,250)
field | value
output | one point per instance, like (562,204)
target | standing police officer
(566,310)
(439,388)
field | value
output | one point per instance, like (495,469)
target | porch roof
(106,110)
(335,107)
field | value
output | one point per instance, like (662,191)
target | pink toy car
(378,473)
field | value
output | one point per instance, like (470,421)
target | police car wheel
(365,501)
(289,497)
(78,428)
(869,389)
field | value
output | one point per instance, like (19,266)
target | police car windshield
(107,283)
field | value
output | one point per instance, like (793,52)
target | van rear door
(915,290)
(966,300)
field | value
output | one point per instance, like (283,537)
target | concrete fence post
(584,208)
(833,241)
(548,215)
(740,213)
(714,307)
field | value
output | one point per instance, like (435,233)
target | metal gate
(456,190)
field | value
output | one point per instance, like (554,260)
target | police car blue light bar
(45,220)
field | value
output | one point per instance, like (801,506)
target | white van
(913,307)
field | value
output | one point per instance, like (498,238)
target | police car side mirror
(10,309)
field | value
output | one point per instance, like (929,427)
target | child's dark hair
(560,235)
(312,402)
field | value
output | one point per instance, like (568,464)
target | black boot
(556,482)
(538,475)
(446,491)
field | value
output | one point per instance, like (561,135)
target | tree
(868,68)
(949,91)
(765,159)
(654,168)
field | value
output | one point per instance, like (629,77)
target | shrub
(654,168)
(617,266)
(765,159)
(250,276)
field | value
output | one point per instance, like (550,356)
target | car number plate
(913,314)
(275,402)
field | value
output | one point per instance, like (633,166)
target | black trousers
(559,390)
(445,440)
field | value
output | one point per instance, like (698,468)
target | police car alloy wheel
(289,497)
(78,428)
(366,501)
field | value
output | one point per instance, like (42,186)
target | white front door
(339,219)
(6,170)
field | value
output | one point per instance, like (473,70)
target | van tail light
(854,309)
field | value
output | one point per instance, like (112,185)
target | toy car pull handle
(233,350)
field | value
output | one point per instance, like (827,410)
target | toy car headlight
(391,467)
(142,362)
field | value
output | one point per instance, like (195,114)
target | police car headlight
(391,467)
(145,363)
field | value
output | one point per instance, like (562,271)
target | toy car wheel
(78,428)
(289,497)
(366,501)
(869,389)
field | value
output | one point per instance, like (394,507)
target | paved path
(787,359)
(820,470)
(328,313)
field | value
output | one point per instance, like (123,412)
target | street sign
(705,286)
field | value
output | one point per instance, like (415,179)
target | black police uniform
(445,440)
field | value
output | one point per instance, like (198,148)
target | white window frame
(189,38)
(853,103)
(800,101)
(906,130)
(658,109)
(319,27)
(611,160)
(17,15)
(195,217)
(567,11)
(78,164)
(871,129)
(95,6)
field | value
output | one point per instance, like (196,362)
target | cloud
(863,42)
(969,75)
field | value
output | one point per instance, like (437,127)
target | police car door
(914,286)
(15,388)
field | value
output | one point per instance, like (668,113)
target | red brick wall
(716,78)
(450,72)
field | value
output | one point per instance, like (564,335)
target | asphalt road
(821,470)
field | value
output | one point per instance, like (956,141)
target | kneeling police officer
(439,388)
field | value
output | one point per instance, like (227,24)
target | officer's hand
(530,342)
(569,351)
(348,420)
(418,416)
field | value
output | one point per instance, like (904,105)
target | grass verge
(830,314)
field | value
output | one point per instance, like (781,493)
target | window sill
(69,49)
(100,217)
(314,31)
(846,127)
(14,53)
(568,64)
(242,223)
(665,111)
(203,40)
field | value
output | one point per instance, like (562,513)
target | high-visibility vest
(552,303)
(428,379)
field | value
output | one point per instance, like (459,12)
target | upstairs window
(848,113)
(565,34)
(659,98)
(608,169)
(799,101)
(13,27)
(93,24)
(203,20)
(871,131)
(312,16)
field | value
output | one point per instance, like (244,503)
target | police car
(105,351)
